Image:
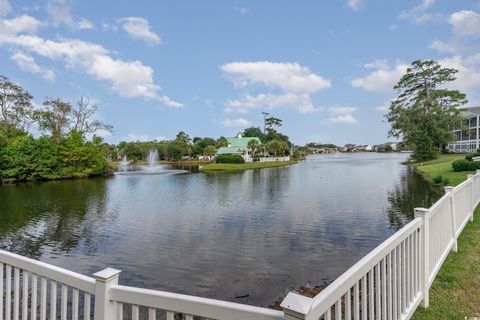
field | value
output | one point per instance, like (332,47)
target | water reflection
(254,234)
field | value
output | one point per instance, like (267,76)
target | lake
(247,237)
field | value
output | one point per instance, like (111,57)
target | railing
(389,283)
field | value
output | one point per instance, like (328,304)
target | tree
(175,152)
(221,142)
(277,147)
(54,118)
(253,145)
(209,151)
(82,117)
(16,107)
(254,132)
(271,122)
(425,111)
(183,138)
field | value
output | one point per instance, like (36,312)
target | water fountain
(152,167)
(152,159)
(123,165)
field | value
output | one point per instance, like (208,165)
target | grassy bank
(228,167)
(455,293)
(442,166)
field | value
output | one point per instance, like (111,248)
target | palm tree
(253,146)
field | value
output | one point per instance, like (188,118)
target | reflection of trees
(57,215)
(413,191)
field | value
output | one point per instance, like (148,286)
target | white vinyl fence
(388,283)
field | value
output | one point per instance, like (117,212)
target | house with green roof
(239,145)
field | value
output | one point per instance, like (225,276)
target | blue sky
(211,67)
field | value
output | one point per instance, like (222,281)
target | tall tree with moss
(425,110)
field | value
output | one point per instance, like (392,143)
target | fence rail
(388,283)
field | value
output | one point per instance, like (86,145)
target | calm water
(257,233)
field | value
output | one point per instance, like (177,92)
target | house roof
(241,142)
(472,111)
(228,150)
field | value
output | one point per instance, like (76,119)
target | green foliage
(175,151)
(229,158)
(221,142)
(425,110)
(209,151)
(16,108)
(277,147)
(254,132)
(437,178)
(461,165)
(445,180)
(63,153)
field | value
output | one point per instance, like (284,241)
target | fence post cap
(106,274)
(420,212)
(299,304)
(448,189)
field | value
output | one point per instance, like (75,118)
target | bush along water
(229,158)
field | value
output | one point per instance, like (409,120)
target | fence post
(451,201)
(472,205)
(104,308)
(425,255)
(296,306)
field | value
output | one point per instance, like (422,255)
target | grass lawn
(455,293)
(443,166)
(229,167)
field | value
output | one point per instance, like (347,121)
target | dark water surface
(257,233)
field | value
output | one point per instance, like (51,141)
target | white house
(468,138)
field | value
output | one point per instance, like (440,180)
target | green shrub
(445,180)
(473,165)
(229,158)
(460,165)
(437,178)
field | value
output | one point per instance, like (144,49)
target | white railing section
(388,283)
(393,279)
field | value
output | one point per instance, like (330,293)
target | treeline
(183,146)
(63,150)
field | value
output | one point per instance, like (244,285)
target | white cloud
(5,7)
(139,29)
(465,23)
(127,78)
(239,122)
(59,12)
(419,14)
(22,24)
(296,82)
(382,78)
(342,115)
(241,10)
(302,103)
(468,77)
(449,47)
(85,24)
(354,4)
(27,63)
(290,77)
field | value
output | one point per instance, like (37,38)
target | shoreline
(230,167)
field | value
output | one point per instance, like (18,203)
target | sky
(210,68)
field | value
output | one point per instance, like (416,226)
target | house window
(473,134)
(473,122)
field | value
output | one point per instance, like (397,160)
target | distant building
(239,145)
(467,137)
